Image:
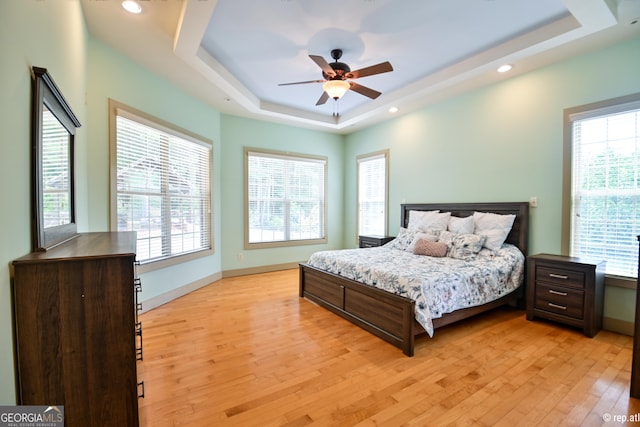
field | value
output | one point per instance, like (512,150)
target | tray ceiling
(234,53)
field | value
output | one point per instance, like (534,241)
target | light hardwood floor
(247,351)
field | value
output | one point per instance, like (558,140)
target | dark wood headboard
(519,235)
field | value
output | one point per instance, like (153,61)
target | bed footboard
(388,316)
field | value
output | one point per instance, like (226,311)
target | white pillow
(461,225)
(429,221)
(430,236)
(494,227)
(417,219)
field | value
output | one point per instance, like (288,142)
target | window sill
(286,243)
(621,282)
(175,260)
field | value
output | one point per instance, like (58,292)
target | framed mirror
(53,130)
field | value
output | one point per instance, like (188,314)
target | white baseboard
(261,269)
(617,325)
(158,300)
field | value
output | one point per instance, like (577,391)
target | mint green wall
(45,34)
(458,150)
(52,34)
(238,133)
(113,75)
(503,142)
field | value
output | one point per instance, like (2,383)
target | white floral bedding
(437,285)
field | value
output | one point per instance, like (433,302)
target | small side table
(373,241)
(567,290)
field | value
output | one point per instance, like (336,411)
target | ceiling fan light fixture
(336,88)
(131,6)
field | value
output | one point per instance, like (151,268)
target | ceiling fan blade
(323,98)
(383,67)
(301,83)
(363,90)
(323,64)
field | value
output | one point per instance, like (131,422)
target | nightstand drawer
(560,276)
(566,289)
(555,299)
(374,241)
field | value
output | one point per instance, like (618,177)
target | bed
(391,316)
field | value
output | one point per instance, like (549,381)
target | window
(56,182)
(605,182)
(285,199)
(160,186)
(372,194)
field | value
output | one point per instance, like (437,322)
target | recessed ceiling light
(393,109)
(131,6)
(505,68)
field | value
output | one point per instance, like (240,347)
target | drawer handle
(561,307)
(138,330)
(551,291)
(558,276)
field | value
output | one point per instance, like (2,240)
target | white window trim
(119,109)
(611,106)
(284,155)
(360,159)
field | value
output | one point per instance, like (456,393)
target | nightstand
(373,241)
(566,290)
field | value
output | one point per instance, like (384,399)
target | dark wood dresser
(567,290)
(76,329)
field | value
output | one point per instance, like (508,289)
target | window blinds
(606,187)
(286,197)
(163,189)
(56,189)
(372,195)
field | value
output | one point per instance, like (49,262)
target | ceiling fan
(337,77)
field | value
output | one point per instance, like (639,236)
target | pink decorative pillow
(425,247)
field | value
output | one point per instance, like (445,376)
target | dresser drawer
(555,299)
(560,276)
